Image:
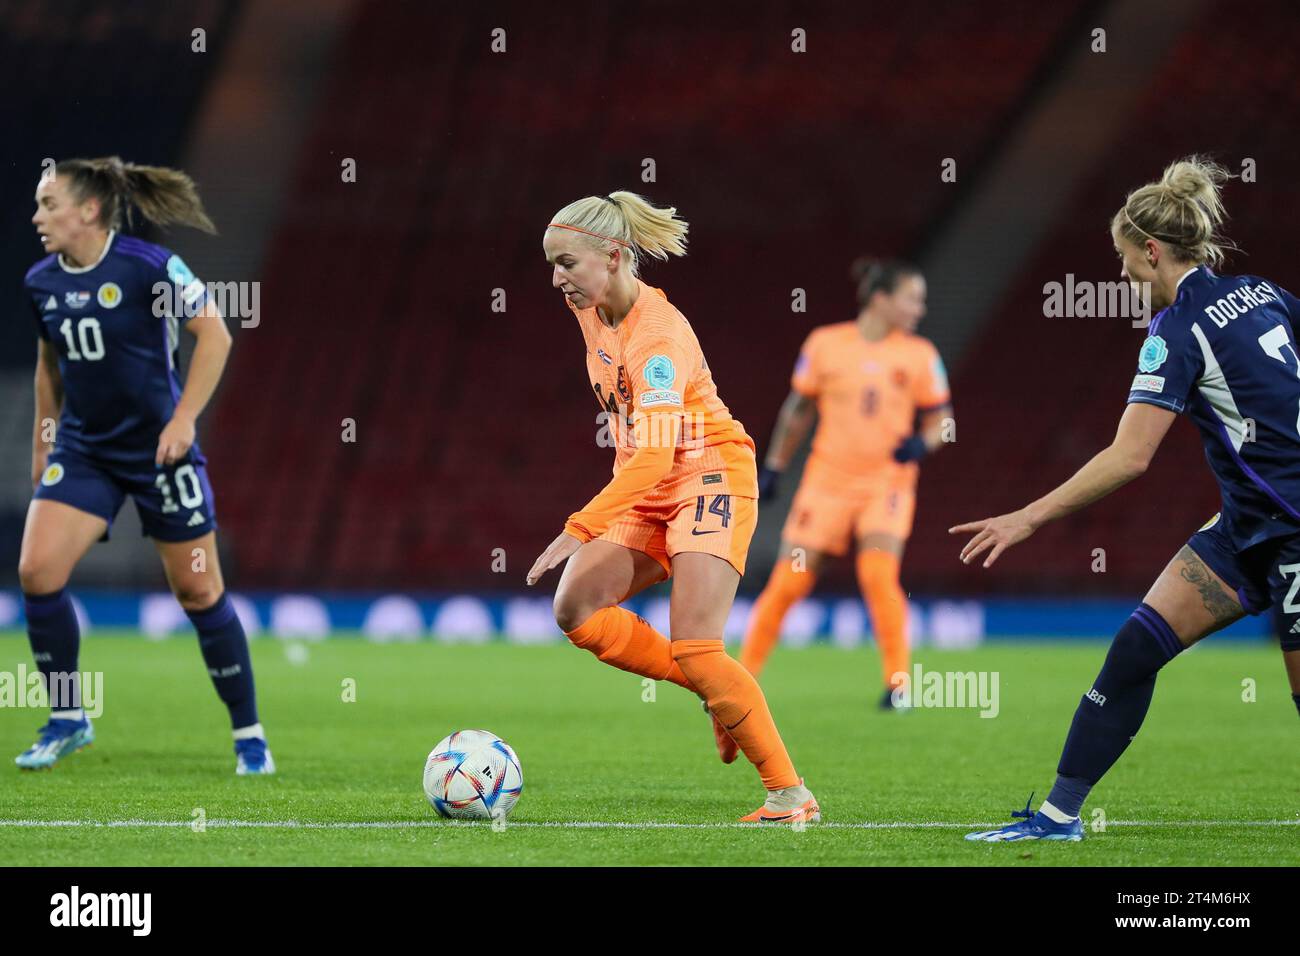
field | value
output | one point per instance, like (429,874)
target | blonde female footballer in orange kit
(882,397)
(683,498)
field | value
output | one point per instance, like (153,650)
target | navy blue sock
(55,637)
(1068,794)
(1296,698)
(1109,715)
(225,651)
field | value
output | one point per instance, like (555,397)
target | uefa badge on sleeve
(1153,354)
(659,372)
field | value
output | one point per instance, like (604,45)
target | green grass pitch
(1212,779)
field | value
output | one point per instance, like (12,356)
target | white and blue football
(473,775)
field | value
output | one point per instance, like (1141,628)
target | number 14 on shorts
(720,506)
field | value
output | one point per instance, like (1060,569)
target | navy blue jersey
(1225,352)
(116,334)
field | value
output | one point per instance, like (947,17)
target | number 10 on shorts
(187,488)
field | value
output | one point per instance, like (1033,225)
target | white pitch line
(576,824)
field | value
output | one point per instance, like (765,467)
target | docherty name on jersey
(1239,302)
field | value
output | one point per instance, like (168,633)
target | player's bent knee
(197,597)
(40,576)
(571,612)
(1144,644)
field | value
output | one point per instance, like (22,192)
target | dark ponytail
(164,196)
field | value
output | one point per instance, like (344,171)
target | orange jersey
(868,396)
(661,408)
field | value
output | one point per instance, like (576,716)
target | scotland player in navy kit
(1222,349)
(106,370)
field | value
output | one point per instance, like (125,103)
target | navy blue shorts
(174,502)
(1264,574)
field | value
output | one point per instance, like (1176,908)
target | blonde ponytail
(626,220)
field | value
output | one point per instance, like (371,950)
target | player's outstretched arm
(49,404)
(1141,430)
(206,365)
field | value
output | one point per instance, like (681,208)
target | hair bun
(1183,209)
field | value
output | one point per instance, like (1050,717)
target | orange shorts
(721,525)
(824,521)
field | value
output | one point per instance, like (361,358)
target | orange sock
(624,640)
(878,578)
(735,699)
(785,588)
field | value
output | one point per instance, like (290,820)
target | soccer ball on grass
(473,775)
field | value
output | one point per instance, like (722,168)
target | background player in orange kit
(882,396)
(682,501)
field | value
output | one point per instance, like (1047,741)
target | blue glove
(911,449)
(768,479)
